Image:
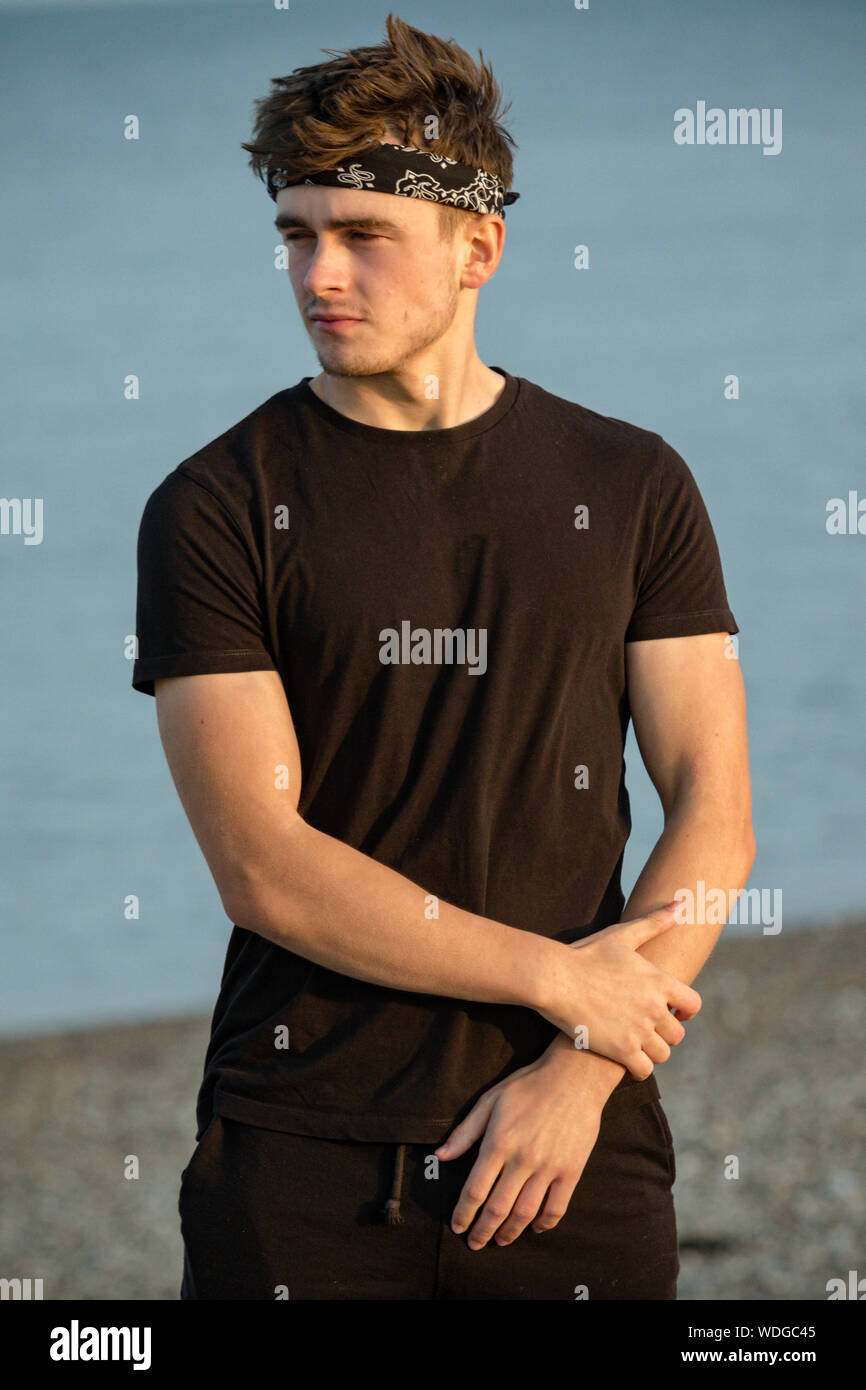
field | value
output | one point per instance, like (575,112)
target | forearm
(329,902)
(695,844)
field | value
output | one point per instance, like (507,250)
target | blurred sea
(155,257)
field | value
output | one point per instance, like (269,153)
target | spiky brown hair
(323,114)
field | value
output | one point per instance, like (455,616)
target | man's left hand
(539,1125)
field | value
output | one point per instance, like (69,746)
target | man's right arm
(234,758)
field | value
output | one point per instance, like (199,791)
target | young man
(396,621)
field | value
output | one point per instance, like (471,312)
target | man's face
(385,268)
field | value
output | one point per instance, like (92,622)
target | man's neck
(404,402)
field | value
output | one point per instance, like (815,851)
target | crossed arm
(689,713)
(225,738)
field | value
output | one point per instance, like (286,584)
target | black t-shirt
(512,557)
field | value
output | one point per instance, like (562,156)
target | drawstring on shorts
(392,1206)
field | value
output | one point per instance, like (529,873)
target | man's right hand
(614,1001)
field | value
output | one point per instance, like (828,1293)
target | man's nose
(327,272)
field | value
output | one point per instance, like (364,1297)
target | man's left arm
(688,706)
(539,1125)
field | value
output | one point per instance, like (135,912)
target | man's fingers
(638,1065)
(668,1033)
(526,1208)
(685,1001)
(463,1136)
(498,1206)
(475,1190)
(639,930)
(669,1029)
(558,1198)
(657,1049)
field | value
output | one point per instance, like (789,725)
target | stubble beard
(351,360)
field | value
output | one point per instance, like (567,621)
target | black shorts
(270,1215)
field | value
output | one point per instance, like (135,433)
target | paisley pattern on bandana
(355,175)
(405,170)
(478,196)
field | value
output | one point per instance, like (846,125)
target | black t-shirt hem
(682,625)
(387,1129)
(148,669)
(324,1124)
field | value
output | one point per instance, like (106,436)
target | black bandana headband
(410,172)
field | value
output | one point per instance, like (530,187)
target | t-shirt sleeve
(199,601)
(681,591)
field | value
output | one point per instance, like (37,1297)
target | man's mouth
(330,323)
(330,317)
